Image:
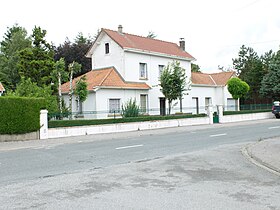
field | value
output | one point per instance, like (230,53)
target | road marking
(221,134)
(274,127)
(132,146)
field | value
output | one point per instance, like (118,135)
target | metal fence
(105,114)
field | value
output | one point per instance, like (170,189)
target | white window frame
(143,71)
(144,109)
(117,108)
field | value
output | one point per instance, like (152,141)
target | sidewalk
(266,153)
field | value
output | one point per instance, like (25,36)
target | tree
(250,69)
(37,62)
(59,75)
(75,52)
(151,35)
(73,67)
(173,83)
(237,88)
(81,89)
(27,88)
(195,68)
(270,86)
(14,40)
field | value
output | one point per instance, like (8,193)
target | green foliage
(237,88)
(14,40)
(69,123)
(130,109)
(173,82)
(251,69)
(81,89)
(195,68)
(37,62)
(20,115)
(27,88)
(75,52)
(270,86)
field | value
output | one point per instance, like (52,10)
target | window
(107,50)
(143,103)
(160,70)
(208,101)
(143,71)
(114,105)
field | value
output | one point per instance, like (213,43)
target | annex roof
(2,89)
(105,78)
(147,45)
(215,79)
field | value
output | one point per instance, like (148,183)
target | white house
(128,66)
(211,89)
(2,89)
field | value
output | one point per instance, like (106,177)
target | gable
(145,45)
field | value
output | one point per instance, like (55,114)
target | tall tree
(250,69)
(75,52)
(37,62)
(270,86)
(173,83)
(81,90)
(14,40)
(73,67)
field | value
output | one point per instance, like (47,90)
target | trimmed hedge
(19,115)
(70,123)
(246,112)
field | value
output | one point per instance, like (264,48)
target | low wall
(245,117)
(19,137)
(124,127)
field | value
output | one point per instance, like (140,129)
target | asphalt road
(94,152)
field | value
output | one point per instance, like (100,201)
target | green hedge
(19,115)
(70,123)
(246,112)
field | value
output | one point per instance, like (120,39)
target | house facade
(2,89)
(127,66)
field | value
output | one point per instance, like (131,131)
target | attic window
(107,48)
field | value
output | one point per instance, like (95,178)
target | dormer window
(107,49)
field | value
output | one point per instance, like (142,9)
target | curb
(257,161)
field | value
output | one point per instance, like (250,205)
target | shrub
(130,109)
(20,114)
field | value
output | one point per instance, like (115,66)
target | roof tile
(105,78)
(130,41)
(219,79)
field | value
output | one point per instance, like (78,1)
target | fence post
(210,114)
(44,124)
(221,113)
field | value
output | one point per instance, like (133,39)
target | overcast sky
(214,30)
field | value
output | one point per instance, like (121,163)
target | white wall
(114,58)
(132,61)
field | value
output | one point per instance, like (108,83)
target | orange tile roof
(130,41)
(105,78)
(2,89)
(216,79)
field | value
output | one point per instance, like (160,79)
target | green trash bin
(215,117)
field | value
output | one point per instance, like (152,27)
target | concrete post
(44,124)
(210,114)
(221,113)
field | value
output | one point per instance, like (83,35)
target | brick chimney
(182,43)
(120,29)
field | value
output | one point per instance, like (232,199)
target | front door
(162,106)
